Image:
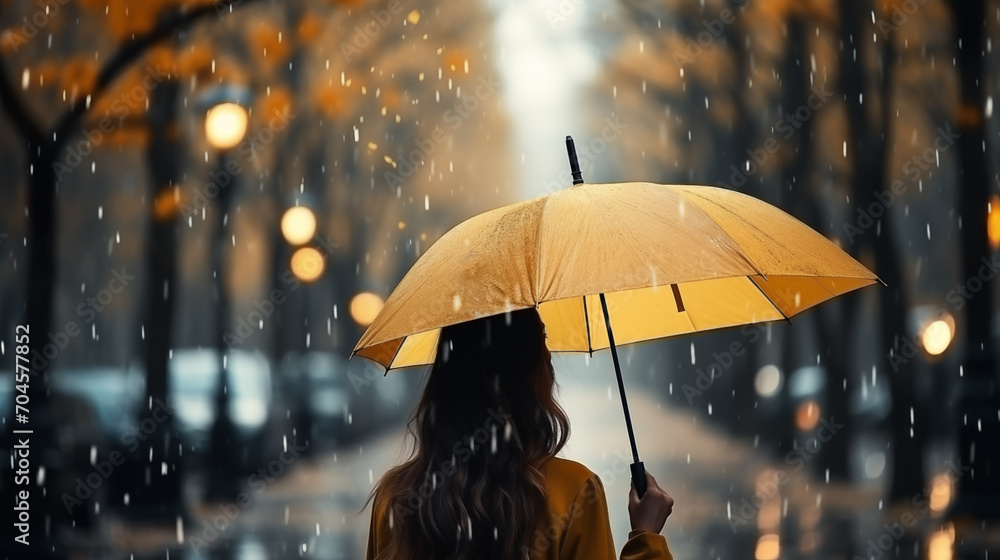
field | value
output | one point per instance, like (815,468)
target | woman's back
(483,481)
(575,524)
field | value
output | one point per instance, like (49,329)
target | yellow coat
(577,526)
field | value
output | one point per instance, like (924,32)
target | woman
(483,481)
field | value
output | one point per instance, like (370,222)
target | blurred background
(205,203)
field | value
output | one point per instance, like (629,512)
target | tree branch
(17,110)
(131,51)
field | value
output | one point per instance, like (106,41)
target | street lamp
(226,122)
(298,227)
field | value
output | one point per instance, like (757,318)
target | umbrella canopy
(671,259)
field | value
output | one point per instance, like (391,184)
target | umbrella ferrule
(574,164)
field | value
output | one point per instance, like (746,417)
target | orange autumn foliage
(78,76)
(454,61)
(269,43)
(310,28)
(195,59)
(128,18)
(278,103)
(329,100)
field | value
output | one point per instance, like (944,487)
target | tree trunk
(978,493)
(869,146)
(159,499)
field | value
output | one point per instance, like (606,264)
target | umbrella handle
(639,478)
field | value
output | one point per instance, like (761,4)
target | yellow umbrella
(652,260)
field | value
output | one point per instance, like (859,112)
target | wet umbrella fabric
(609,264)
(672,260)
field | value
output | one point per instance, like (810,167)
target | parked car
(256,418)
(338,401)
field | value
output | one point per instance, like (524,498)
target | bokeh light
(307,264)
(298,225)
(941,492)
(936,337)
(993,223)
(365,307)
(225,125)
(940,545)
(875,465)
(768,547)
(807,415)
(767,381)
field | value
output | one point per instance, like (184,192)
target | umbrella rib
(783,316)
(743,254)
(394,355)
(586,322)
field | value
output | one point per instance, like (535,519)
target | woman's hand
(651,512)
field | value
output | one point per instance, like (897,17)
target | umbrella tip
(574,164)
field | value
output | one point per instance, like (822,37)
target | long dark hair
(487,421)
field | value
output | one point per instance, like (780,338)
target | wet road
(311,507)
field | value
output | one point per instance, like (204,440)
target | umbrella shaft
(621,383)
